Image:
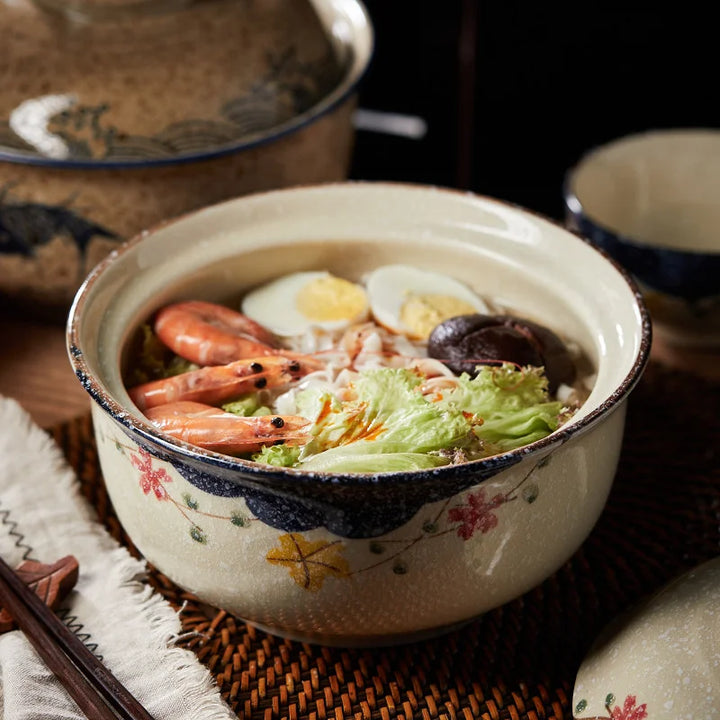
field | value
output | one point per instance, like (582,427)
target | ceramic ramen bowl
(650,201)
(360,559)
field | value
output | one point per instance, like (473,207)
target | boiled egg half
(294,303)
(410,301)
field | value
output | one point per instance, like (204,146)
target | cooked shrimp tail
(216,384)
(210,334)
(214,429)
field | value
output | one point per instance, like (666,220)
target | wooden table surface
(35,370)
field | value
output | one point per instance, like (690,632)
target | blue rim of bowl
(575,206)
(640,257)
(325,106)
(134,423)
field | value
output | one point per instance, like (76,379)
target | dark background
(538,84)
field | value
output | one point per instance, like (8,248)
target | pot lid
(126,82)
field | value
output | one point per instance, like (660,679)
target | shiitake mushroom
(466,341)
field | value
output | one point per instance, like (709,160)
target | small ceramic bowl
(361,559)
(661,660)
(650,200)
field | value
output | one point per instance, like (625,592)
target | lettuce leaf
(513,403)
(389,425)
(278,455)
(387,416)
(247,405)
(503,389)
(373,462)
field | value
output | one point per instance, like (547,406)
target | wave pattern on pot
(150,115)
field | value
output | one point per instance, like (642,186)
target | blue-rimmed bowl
(117,114)
(651,201)
(360,558)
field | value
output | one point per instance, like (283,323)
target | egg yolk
(331,298)
(421,313)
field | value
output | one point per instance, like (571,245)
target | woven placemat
(516,662)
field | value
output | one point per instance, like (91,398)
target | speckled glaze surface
(361,559)
(662,660)
(649,200)
(78,217)
(151,114)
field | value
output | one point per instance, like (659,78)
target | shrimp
(214,429)
(209,334)
(216,383)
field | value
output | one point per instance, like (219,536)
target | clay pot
(116,115)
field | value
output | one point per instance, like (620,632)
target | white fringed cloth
(43,517)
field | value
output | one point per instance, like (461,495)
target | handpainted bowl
(361,559)
(650,200)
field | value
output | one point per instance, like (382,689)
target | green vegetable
(151,357)
(154,360)
(373,462)
(246,406)
(389,415)
(388,427)
(177,365)
(499,390)
(513,403)
(279,455)
(508,432)
(391,426)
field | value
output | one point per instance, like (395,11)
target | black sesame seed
(256,367)
(261,383)
(277,422)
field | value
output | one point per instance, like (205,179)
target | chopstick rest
(51,583)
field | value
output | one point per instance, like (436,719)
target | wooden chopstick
(91,685)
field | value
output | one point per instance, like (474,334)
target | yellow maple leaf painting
(309,562)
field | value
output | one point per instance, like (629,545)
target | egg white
(389,287)
(275,306)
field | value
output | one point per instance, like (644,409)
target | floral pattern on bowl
(628,710)
(475,512)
